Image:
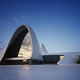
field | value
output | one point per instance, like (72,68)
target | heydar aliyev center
(23,45)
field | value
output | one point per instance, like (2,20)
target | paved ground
(40,72)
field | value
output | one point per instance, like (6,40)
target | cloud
(19,19)
(16,19)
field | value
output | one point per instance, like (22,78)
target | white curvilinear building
(22,46)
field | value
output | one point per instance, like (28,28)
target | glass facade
(26,47)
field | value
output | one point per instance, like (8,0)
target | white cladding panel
(36,54)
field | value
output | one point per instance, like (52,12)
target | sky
(55,22)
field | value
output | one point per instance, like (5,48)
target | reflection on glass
(26,47)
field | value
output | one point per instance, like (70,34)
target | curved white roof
(12,47)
